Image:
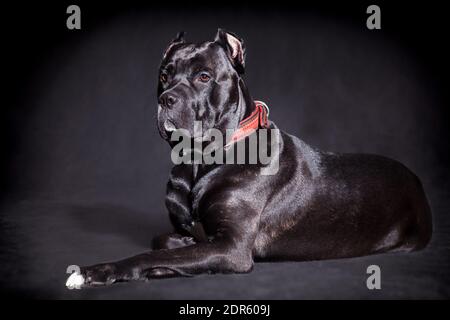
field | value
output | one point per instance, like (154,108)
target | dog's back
(341,205)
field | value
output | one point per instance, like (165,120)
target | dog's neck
(246,104)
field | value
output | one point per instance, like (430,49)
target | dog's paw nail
(75,281)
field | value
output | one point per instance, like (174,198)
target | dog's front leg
(215,257)
(228,251)
(171,241)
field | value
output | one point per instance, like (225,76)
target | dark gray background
(84,170)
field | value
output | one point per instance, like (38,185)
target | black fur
(319,205)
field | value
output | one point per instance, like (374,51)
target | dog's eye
(163,77)
(204,77)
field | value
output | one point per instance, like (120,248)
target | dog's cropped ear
(234,46)
(178,40)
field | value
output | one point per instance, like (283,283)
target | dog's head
(201,82)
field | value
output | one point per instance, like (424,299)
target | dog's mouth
(166,128)
(165,125)
(169,126)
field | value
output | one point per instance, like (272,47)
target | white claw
(75,281)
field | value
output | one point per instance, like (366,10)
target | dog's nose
(168,100)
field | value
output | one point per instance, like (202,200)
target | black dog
(319,205)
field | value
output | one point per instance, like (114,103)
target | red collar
(258,119)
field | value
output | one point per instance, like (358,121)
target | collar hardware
(257,119)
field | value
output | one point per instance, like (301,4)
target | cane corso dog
(318,205)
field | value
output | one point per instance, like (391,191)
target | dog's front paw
(99,275)
(75,281)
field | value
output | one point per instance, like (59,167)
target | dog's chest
(184,192)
